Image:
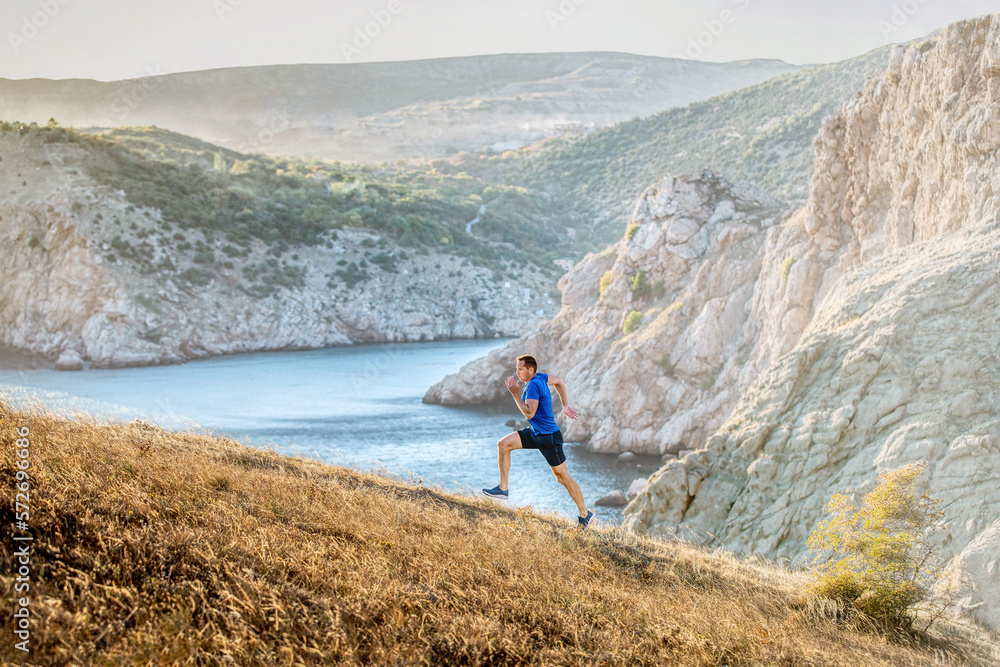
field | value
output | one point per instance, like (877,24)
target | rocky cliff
(871,337)
(898,248)
(63,298)
(688,267)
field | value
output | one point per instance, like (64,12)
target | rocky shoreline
(69,300)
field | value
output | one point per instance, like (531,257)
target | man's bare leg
(505,446)
(562,474)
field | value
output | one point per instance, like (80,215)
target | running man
(542,433)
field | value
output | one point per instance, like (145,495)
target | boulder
(69,360)
(614,499)
(636,487)
(698,247)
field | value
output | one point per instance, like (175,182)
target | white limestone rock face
(696,243)
(64,298)
(56,297)
(636,487)
(69,360)
(899,364)
(890,311)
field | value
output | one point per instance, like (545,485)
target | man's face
(524,373)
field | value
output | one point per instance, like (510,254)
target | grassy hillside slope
(154,547)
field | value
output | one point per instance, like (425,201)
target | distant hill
(386,111)
(762,133)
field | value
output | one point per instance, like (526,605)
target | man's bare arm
(527,408)
(560,389)
(563,396)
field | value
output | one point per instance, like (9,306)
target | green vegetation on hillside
(548,201)
(285,203)
(882,559)
(762,133)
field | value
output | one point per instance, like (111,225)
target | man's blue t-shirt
(537,388)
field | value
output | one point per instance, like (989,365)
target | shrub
(631,322)
(880,559)
(353,274)
(387,262)
(638,284)
(604,282)
(666,365)
(630,231)
(707,383)
(195,277)
(786,267)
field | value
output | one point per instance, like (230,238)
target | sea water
(357,406)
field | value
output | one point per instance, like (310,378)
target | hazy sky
(118,39)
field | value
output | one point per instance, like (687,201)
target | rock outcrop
(689,265)
(898,249)
(64,298)
(858,335)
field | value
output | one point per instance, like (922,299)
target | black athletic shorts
(549,444)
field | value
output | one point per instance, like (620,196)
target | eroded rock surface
(68,291)
(689,264)
(801,358)
(898,360)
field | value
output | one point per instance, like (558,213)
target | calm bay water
(354,406)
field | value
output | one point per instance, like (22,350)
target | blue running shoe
(585,521)
(496,492)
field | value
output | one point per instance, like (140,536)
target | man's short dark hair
(529,361)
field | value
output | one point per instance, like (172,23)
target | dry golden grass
(156,547)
